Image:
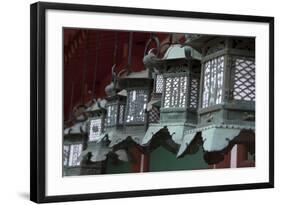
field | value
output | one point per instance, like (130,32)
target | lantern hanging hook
(114,75)
(153,38)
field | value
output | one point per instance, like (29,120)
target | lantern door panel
(95,129)
(213,82)
(136,106)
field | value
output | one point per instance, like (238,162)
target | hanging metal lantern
(227,95)
(102,124)
(97,148)
(137,87)
(150,60)
(114,121)
(115,105)
(96,119)
(73,144)
(177,77)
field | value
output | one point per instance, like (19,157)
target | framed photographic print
(129,102)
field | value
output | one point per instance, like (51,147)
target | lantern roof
(215,138)
(77,128)
(135,79)
(138,75)
(197,41)
(153,102)
(123,93)
(82,117)
(97,106)
(116,137)
(177,51)
(174,130)
(100,151)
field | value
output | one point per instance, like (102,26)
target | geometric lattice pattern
(175,91)
(213,82)
(75,151)
(95,129)
(65,154)
(136,106)
(159,84)
(194,87)
(244,78)
(121,113)
(111,115)
(154,115)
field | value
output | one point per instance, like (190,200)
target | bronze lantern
(226,114)
(177,77)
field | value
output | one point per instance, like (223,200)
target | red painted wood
(223,164)
(75,43)
(137,160)
(247,163)
(242,157)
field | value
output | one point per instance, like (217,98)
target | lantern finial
(150,58)
(111,89)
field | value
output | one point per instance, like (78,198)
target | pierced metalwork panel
(65,154)
(111,115)
(136,106)
(154,115)
(194,88)
(159,84)
(175,92)
(75,151)
(244,78)
(121,114)
(95,129)
(213,82)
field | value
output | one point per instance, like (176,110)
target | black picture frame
(38,101)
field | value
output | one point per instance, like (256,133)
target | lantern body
(180,92)
(92,157)
(136,106)
(73,145)
(138,87)
(176,92)
(95,126)
(176,82)
(227,95)
(115,111)
(228,81)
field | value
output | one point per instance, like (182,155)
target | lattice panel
(65,154)
(111,115)
(213,82)
(168,91)
(154,115)
(175,92)
(95,129)
(194,87)
(137,102)
(182,91)
(159,84)
(244,79)
(121,114)
(75,151)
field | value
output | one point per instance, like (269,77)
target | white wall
(14,101)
